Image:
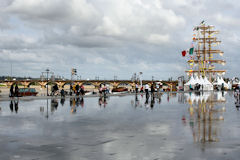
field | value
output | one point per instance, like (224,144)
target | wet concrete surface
(171,126)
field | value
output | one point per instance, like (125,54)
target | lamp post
(47,71)
(140,78)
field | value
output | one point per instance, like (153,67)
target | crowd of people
(78,90)
(103,90)
(155,87)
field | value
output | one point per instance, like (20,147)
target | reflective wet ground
(171,126)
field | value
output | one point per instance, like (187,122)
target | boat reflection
(205,112)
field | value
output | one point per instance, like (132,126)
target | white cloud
(95,60)
(158,39)
(108,28)
(116,36)
(227,20)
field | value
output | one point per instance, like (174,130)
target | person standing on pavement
(152,90)
(147,90)
(136,88)
(16,90)
(11,91)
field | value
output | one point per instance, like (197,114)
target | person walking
(141,90)
(11,91)
(77,89)
(152,90)
(16,90)
(55,90)
(71,89)
(100,90)
(62,93)
(82,90)
(158,89)
(136,88)
(147,90)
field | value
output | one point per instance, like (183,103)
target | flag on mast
(184,53)
(191,50)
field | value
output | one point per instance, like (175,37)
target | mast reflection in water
(206,111)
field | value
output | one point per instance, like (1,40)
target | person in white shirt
(147,90)
(136,88)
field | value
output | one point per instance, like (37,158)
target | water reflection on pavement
(164,126)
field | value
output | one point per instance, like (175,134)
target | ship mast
(204,56)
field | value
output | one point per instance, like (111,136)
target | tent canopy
(220,81)
(204,83)
(192,81)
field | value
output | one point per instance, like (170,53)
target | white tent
(229,85)
(197,80)
(201,81)
(207,85)
(204,83)
(219,83)
(225,84)
(235,81)
(191,82)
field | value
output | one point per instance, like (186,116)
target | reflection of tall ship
(205,112)
(202,64)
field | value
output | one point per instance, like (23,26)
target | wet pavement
(171,126)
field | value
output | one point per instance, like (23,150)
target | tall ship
(204,53)
(204,58)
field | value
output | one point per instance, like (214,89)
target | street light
(140,78)
(47,71)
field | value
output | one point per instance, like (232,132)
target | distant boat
(27,92)
(120,89)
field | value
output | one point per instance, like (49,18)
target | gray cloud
(105,38)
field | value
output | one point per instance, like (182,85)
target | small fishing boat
(27,92)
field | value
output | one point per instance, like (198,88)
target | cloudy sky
(111,37)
